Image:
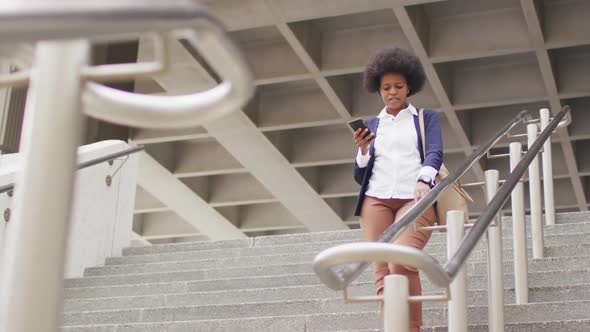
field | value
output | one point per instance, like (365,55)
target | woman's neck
(395,112)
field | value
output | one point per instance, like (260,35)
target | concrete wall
(9,164)
(102,215)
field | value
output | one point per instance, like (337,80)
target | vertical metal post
(547,172)
(458,302)
(495,261)
(396,307)
(519,232)
(32,287)
(535,195)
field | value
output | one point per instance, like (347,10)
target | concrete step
(535,279)
(562,217)
(299,323)
(223,253)
(214,297)
(221,263)
(535,265)
(267,284)
(258,324)
(475,297)
(580,225)
(550,251)
(83,290)
(479,253)
(261,241)
(303,258)
(557,239)
(189,282)
(185,313)
(166,283)
(552,326)
(190,246)
(479,297)
(533,312)
(508,243)
(366,322)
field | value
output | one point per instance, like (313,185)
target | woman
(390,166)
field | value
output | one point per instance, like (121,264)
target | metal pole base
(495,261)
(458,302)
(396,309)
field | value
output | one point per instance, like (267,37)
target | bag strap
(422,131)
(457,184)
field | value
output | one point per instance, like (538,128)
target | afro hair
(394,60)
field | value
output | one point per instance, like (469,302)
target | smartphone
(359,124)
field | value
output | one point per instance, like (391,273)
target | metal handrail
(39,20)
(491,210)
(339,277)
(63,32)
(188,20)
(91,162)
(383,252)
(565,122)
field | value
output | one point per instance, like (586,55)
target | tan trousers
(376,216)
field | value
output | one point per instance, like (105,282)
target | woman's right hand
(362,140)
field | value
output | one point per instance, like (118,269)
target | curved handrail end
(376,252)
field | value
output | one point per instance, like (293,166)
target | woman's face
(394,90)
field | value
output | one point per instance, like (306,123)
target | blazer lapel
(419,133)
(372,124)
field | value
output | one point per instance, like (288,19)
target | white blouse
(397,158)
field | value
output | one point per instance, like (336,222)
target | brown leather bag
(455,197)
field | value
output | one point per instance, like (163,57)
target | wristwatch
(425,179)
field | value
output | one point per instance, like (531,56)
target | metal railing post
(32,285)
(396,306)
(519,232)
(495,261)
(547,172)
(458,301)
(535,196)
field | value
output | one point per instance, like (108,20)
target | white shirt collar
(410,108)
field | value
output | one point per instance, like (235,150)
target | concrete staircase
(267,284)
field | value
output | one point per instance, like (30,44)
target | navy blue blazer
(433,158)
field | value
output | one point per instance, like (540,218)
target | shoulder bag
(455,197)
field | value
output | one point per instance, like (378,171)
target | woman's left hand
(421,190)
